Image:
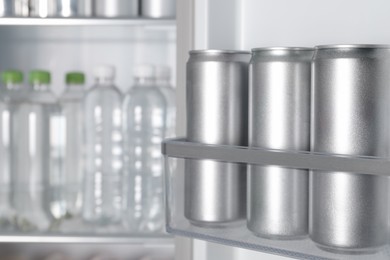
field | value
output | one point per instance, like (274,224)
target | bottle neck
(144,81)
(40,87)
(163,82)
(13,86)
(104,81)
(74,87)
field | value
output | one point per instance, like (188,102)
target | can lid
(39,77)
(12,76)
(280,48)
(76,78)
(353,46)
(144,71)
(213,51)
(105,72)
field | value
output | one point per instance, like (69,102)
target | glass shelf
(178,152)
(16,21)
(89,239)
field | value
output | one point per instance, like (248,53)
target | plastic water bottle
(66,189)
(12,84)
(163,78)
(144,128)
(103,185)
(34,150)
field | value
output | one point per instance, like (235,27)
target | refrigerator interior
(242,25)
(86,251)
(63,45)
(60,49)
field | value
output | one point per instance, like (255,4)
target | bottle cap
(76,78)
(105,72)
(39,77)
(144,71)
(163,72)
(12,76)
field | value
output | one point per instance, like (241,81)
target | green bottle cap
(76,78)
(12,76)
(39,77)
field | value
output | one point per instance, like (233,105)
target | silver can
(158,8)
(279,118)
(67,8)
(115,8)
(21,8)
(84,8)
(43,8)
(217,112)
(6,8)
(349,211)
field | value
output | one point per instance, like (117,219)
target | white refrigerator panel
(245,24)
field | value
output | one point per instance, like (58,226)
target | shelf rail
(180,148)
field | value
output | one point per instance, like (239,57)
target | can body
(67,8)
(349,211)
(279,118)
(43,8)
(115,8)
(158,8)
(217,95)
(21,8)
(84,8)
(6,8)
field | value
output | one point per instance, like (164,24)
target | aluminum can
(67,8)
(349,211)
(158,8)
(6,8)
(115,8)
(21,8)
(43,8)
(84,8)
(279,118)
(217,112)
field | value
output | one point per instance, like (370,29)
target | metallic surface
(279,118)
(68,8)
(84,8)
(181,148)
(217,95)
(158,8)
(43,8)
(6,8)
(115,8)
(21,8)
(349,212)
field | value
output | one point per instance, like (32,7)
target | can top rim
(353,46)
(282,49)
(214,51)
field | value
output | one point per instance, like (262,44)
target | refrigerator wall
(60,49)
(246,24)
(62,45)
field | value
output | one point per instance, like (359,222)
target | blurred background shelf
(144,22)
(162,240)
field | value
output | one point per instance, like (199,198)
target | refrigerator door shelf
(179,152)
